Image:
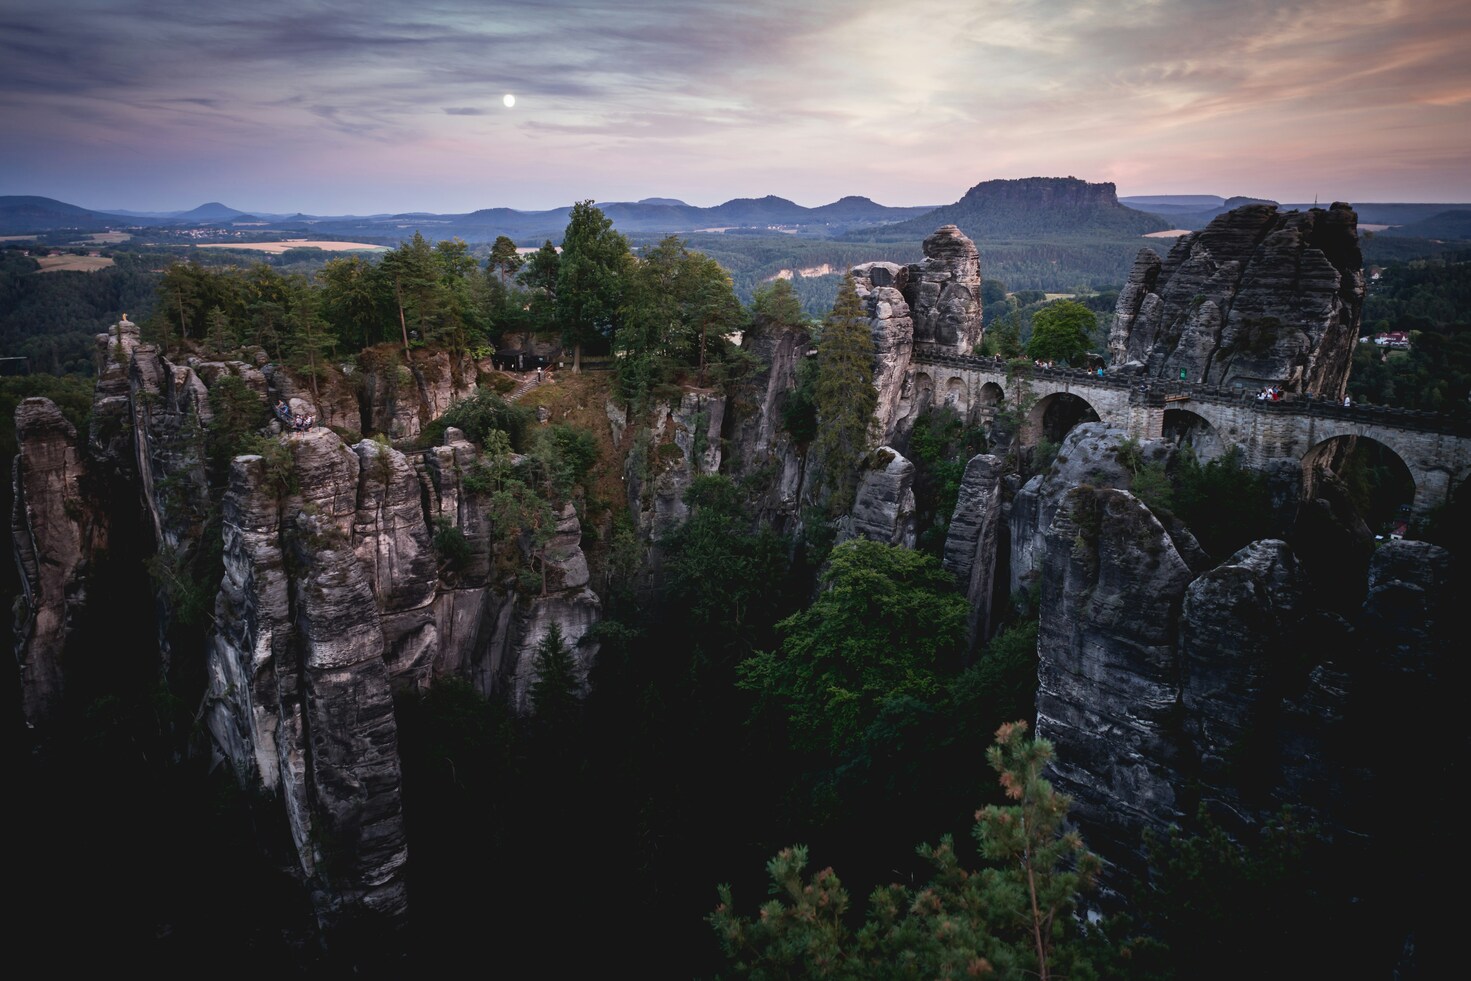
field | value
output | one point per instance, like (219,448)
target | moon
(509,100)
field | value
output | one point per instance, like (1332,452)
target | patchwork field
(73,263)
(276,248)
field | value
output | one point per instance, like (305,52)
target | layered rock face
(682,443)
(1167,683)
(54,529)
(935,302)
(299,694)
(944,292)
(756,442)
(1257,297)
(880,287)
(883,507)
(973,542)
(333,595)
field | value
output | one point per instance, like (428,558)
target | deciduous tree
(1062,331)
(886,620)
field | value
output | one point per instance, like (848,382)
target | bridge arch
(1054,415)
(1371,468)
(1184,427)
(924,391)
(989,401)
(956,395)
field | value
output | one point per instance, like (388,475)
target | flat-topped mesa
(1258,297)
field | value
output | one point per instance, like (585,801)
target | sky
(367,107)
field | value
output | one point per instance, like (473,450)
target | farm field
(73,263)
(276,248)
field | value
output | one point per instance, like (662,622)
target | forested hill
(1030,208)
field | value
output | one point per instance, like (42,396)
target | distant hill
(1166,204)
(25,213)
(1454,224)
(1032,208)
(213,211)
(1190,211)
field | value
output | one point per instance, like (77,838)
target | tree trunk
(402,323)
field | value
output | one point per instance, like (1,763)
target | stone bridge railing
(1435,448)
(1154,392)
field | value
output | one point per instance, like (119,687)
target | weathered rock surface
(1165,688)
(883,508)
(1108,680)
(299,693)
(756,442)
(1088,456)
(333,594)
(1257,297)
(880,290)
(683,442)
(944,292)
(51,527)
(972,543)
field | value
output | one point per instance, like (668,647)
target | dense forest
(754,732)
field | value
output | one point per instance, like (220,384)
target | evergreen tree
(591,277)
(1009,920)
(845,396)
(504,259)
(555,694)
(539,275)
(355,300)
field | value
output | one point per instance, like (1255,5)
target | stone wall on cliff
(1258,297)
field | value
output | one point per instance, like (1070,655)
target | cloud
(923,99)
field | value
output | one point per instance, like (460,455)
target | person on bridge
(1347,402)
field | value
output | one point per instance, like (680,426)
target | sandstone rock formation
(333,594)
(974,540)
(944,292)
(683,442)
(1167,683)
(880,287)
(757,444)
(52,527)
(936,302)
(883,508)
(1257,297)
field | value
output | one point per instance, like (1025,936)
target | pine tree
(1011,920)
(555,692)
(845,395)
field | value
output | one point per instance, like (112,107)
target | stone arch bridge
(1435,449)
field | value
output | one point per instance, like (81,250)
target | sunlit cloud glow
(329,106)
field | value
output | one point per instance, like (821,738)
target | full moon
(509,100)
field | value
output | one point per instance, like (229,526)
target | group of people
(1274,394)
(299,423)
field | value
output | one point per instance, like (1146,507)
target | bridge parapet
(1154,392)
(1436,448)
